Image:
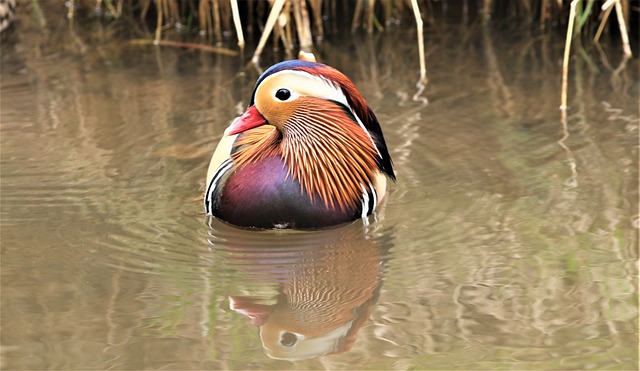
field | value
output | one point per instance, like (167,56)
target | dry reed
(606,8)
(567,52)
(214,17)
(296,23)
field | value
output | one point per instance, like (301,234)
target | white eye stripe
(314,86)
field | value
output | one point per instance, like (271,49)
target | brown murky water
(508,242)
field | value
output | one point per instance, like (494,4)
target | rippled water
(509,240)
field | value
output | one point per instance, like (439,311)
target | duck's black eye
(288,339)
(283,94)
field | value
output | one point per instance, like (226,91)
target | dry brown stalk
(370,15)
(567,51)
(204,47)
(282,30)
(607,7)
(486,11)
(423,66)
(303,26)
(159,24)
(71,10)
(544,12)
(285,24)
(387,6)
(225,13)
(216,20)
(623,29)
(316,8)
(356,16)
(203,15)
(237,22)
(332,10)
(605,17)
(271,20)
(526,5)
(145,9)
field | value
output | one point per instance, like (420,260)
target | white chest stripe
(365,203)
(369,200)
(213,184)
(375,198)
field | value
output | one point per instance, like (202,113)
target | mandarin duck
(307,153)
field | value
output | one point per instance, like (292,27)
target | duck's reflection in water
(326,284)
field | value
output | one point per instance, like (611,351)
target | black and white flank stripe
(213,186)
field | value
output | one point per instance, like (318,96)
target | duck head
(314,117)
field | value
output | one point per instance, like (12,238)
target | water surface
(509,241)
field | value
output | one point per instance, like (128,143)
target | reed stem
(623,29)
(605,17)
(567,51)
(71,10)
(237,23)
(159,25)
(268,27)
(420,31)
(208,48)
(216,20)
